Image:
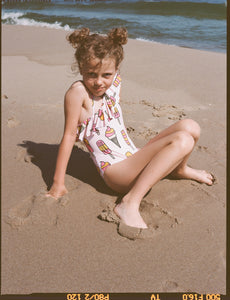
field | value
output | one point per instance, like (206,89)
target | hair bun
(118,36)
(78,36)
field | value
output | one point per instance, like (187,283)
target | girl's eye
(107,75)
(92,75)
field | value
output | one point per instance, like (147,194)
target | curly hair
(94,45)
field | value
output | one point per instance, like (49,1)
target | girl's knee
(184,141)
(192,127)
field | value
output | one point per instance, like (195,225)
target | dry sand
(62,247)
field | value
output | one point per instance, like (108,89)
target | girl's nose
(98,81)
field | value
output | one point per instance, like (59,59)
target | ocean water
(186,23)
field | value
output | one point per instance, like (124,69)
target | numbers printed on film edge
(201,297)
(98,296)
(73,296)
(87,297)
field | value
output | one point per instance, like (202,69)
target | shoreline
(62,246)
(185,47)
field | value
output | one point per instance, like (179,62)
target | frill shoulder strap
(113,91)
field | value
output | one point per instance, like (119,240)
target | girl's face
(98,75)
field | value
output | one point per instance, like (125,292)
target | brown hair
(90,46)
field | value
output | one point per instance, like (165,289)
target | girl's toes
(213,178)
(209,176)
(210,182)
(210,179)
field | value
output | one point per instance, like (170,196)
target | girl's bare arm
(73,104)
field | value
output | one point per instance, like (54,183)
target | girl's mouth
(99,89)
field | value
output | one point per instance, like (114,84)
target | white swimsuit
(104,134)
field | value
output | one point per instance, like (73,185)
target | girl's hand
(57,191)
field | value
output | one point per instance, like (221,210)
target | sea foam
(16,18)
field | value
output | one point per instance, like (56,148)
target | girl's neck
(96,98)
(91,96)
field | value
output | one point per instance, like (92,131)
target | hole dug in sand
(158,220)
(12,122)
(36,209)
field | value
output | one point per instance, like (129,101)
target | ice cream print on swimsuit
(111,135)
(104,165)
(126,139)
(104,148)
(104,133)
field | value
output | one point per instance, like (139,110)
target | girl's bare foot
(130,215)
(198,175)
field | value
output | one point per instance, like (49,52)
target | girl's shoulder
(77,88)
(77,92)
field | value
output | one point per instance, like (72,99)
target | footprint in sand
(171,286)
(12,122)
(201,148)
(170,111)
(146,103)
(157,219)
(36,209)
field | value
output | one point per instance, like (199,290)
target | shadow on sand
(80,165)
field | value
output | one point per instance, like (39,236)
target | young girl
(93,115)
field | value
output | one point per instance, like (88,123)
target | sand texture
(73,244)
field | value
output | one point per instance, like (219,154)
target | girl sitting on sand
(93,115)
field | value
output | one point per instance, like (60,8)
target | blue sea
(185,23)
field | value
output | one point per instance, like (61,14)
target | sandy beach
(62,246)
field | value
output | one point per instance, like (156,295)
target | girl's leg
(140,172)
(183,171)
(144,169)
